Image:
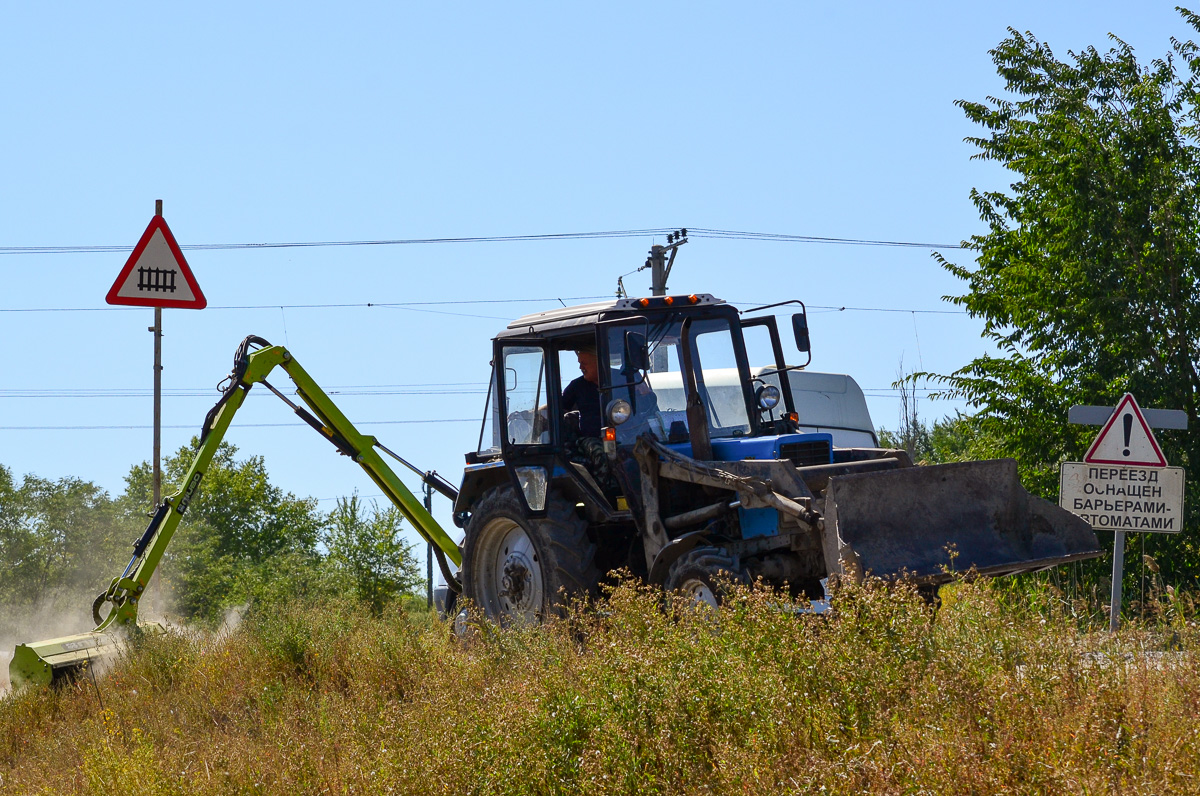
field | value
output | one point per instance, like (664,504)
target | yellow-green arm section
(251,368)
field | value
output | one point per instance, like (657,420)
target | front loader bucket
(926,523)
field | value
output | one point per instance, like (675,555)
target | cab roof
(589,314)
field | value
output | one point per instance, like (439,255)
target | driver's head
(589,366)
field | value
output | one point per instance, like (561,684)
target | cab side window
(525,395)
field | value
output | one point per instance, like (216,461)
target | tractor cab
(673,369)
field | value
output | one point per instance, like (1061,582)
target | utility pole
(658,273)
(660,270)
(157,330)
(659,265)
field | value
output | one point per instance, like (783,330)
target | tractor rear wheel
(704,575)
(518,569)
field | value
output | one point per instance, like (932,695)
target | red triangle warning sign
(1126,439)
(156,275)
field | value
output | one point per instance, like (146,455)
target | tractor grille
(803,454)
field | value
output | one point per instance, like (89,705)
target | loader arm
(252,367)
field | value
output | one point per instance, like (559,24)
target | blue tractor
(634,434)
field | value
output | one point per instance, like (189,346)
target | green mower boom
(47,662)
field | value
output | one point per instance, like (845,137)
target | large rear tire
(518,569)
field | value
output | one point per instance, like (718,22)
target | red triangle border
(157,223)
(1137,412)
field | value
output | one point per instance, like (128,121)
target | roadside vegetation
(337,680)
(243,541)
(992,692)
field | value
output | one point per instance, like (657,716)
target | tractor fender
(477,480)
(673,551)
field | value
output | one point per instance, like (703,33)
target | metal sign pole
(1118,575)
(1085,488)
(157,275)
(157,330)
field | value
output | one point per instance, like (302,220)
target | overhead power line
(108,249)
(134,427)
(783,238)
(92,394)
(418,305)
(555,236)
(381,391)
(415,305)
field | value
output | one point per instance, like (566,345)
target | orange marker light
(669,300)
(792,416)
(644,302)
(610,434)
(694,299)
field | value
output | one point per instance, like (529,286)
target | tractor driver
(583,393)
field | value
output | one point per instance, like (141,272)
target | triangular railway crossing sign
(1126,439)
(156,274)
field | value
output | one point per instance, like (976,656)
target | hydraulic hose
(241,360)
(451,581)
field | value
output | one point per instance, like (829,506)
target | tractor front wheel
(517,569)
(704,575)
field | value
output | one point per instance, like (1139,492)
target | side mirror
(800,328)
(637,355)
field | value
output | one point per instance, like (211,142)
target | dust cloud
(62,613)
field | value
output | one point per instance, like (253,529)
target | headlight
(533,484)
(619,411)
(768,396)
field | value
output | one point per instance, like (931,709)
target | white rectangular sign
(1124,498)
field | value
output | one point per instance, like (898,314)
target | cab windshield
(660,402)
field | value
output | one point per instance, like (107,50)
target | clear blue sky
(295,122)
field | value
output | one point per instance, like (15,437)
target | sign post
(1124,482)
(157,275)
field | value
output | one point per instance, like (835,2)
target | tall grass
(988,694)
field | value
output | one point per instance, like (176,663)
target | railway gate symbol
(156,279)
(156,274)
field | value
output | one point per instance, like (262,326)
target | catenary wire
(699,232)
(415,305)
(94,393)
(137,427)
(358,305)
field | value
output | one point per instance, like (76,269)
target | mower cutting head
(61,660)
(56,660)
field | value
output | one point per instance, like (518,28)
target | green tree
(241,534)
(368,551)
(1086,278)
(951,439)
(60,538)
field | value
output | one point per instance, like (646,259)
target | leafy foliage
(243,540)
(57,538)
(951,439)
(240,531)
(369,552)
(1087,276)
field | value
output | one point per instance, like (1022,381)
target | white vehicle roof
(832,403)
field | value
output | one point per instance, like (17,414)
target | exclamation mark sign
(1128,419)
